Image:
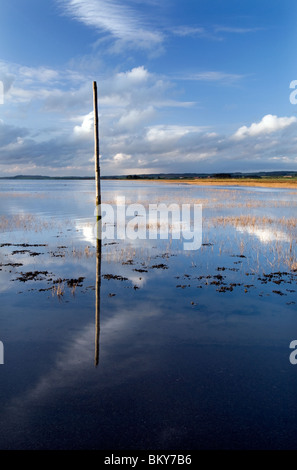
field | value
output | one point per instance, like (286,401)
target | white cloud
(135,88)
(15,146)
(175,104)
(40,74)
(268,124)
(130,81)
(120,157)
(211,32)
(136,75)
(87,126)
(163,133)
(121,21)
(189,31)
(20,94)
(235,29)
(135,118)
(24,84)
(213,76)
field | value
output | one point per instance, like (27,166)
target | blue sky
(183,86)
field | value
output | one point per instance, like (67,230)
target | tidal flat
(146,345)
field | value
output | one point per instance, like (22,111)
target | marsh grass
(265,241)
(254,221)
(266,183)
(58,290)
(30,222)
(82,252)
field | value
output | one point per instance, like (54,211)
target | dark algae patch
(114,276)
(22,252)
(160,266)
(24,245)
(13,265)
(32,276)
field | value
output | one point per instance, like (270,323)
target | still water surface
(193,346)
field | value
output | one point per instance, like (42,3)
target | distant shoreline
(264,181)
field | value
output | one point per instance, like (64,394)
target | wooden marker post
(96,136)
(98,225)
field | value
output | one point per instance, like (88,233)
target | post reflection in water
(97,290)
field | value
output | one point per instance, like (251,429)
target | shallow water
(193,345)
